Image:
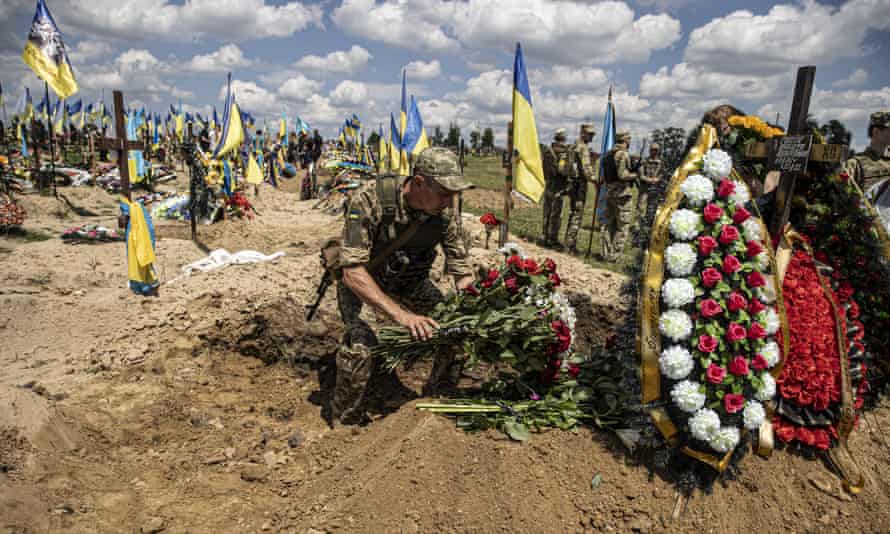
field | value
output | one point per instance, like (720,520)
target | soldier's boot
(445,373)
(354,366)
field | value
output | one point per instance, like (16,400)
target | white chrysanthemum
(771,353)
(511,248)
(751,229)
(675,324)
(685,224)
(676,362)
(753,415)
(725,439)
(770,320)
(704,424)
(768,390)
(687,397)
(680,259)
(698,190)
(564,310)
(741,195)
(716,164)
(677,292)
(762,260)
(767,293)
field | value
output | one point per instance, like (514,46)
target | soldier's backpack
(558,163)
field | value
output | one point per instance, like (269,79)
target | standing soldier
(557,166)
(619,180)
(581,174)
(873,166)
(650,175)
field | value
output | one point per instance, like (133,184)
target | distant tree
(836,133)
(438,139)
(475,139)
(672,141)
(453,139)
(488,139)
(373,139)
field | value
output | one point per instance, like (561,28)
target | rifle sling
(392,246)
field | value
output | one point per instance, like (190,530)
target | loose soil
(203,410)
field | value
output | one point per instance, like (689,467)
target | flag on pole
(415,139)
(608,142)
(46,55)
(528,172)
(395,144)
(215,122)
(403,125)
(233,127)
(21,135)
(282,128)
(382,156)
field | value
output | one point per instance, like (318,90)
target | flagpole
(508,187)
(52,152)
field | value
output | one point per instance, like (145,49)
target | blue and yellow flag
(415,139)
(528,171)
(403,125)
(214,122)
(609,131)
(46,55)
(395,149)
(382,156)
(20,132)
(233,127)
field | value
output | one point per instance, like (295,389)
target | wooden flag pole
(503,235)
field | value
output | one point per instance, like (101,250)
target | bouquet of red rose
(239,206)
(509,314)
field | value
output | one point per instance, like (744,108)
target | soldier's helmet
(622,136)
(879,119)
(587,128)
(560,135)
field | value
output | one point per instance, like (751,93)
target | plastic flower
(762,261)
(716,163)
(680,259)
(725,439)
(511,249)
(687,397)
(697,189)
(704,424)
(741,195)
(753,415)
(685,224)
(751,229)
(675,324)
(677,292)
(770,353)
(768,390)
(770,320)
(675,362)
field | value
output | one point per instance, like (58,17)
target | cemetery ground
(202,410)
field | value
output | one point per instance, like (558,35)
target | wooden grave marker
(121,145)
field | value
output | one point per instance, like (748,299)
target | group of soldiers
(568,171)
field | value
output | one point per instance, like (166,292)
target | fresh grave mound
(35,421)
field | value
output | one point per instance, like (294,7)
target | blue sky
(669,60)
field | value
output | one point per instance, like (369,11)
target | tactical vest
(610,169)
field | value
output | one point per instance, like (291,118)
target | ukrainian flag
(395,143)
(528,172)
(215,122)
(282,129)
(46,55)
(382,155)
(403,125)
(415,139)
(232,135)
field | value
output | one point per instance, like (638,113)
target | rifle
(326,280)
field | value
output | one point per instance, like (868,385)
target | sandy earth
(203,410)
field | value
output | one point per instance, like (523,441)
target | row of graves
(760,324)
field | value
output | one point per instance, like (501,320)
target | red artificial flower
(715,374)
(712,213)
(550,265)
(821,440)
(710,277)
(755,279)
(736,301)
(707,344)
(739,366)
(740,215)
(804,398)
(805,435)
(489,219)
(785,432)
(756,331)
(755,306)
(754,248)
(555,279)
(511,284)
(759,363)
(710,308)
(733,403)
(725,188)
(492,277)
(735,332)
(728,234)
(515,261)
(706,244)
(471,289)
(731,264)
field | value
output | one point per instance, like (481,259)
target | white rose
(753,415)
(768,390)
(771,353)
(717,164)
(680,259)
(675,362)
(704,424)
(687,397)
(770,320)
(677,292)
(741,195)
(751,229)
(685,224)
(698,189)
(763,261)
(675,324)
(725,439)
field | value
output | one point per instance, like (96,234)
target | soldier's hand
(420,326)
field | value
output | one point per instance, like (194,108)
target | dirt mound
(36,421)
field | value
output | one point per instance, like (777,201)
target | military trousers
(552,207)
(576,213)
(619,217)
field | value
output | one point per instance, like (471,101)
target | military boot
(353,372)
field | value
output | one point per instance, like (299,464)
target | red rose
(755,306)
(707,344)
(706,244)
(739,366)
(471,289)
(555,279)
(512,287)
(574,370)
(736,301)
(731,264)
(710,308)
(740,215)
(492,277)
(725,188)
(489,220)
(515,261)
(710,277)
(754,248)
(756,331)
(728,234)
(735,332)
(712,213)
(530,266)
(755,279)
(759,363)
(733,403)
(715,374)
(550,265)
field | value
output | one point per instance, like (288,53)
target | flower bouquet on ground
(239,206)
(490,222)
(91,233)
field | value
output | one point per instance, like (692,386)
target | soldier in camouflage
(581,174)
(650,175)
(401,287)
(555,187)
(620,184)
(872,166)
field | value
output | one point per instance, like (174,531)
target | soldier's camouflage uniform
(620,185)
(404,276)
(650,175)
(578,191)
(554,189)
(870,168)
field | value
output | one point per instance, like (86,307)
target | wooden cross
(504,230)
(121,144)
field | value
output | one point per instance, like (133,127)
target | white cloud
(234,19)
(423,70)
(87,50)
(298,88)
(349,93)
(252,98)
(856,78)
(342,61)
(137,72)
(809,33)
(415,25)
(479,66)
(491,91)
(566,77)
(689,81)
(227,58)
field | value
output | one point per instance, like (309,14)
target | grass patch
(28,236)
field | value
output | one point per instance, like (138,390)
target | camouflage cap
(559,134)
(441,165)
(881,119)
(654,146)
(622,136)
(587,128)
